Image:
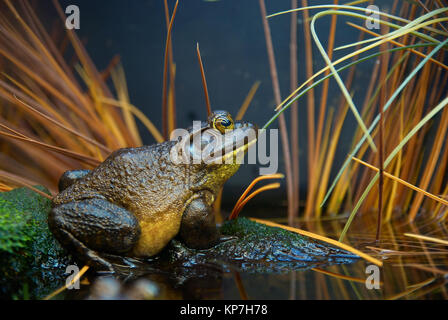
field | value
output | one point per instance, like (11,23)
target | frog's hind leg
(94,230)
(70,177)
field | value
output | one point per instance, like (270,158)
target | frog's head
(216,148)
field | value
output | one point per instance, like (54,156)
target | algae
(33,262)
(257,248)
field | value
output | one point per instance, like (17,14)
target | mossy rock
(33,262)
(257,248)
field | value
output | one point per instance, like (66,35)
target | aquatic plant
(403,117)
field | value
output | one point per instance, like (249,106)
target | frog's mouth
(228,148)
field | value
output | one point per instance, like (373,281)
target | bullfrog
(136,201)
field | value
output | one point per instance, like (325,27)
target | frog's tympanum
(138,199)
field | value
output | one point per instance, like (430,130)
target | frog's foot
(103,262)
(96,231)
(124,262)
(224,238)
(94,260)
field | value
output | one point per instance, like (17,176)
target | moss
(257,248)
(244,227)
(33,263)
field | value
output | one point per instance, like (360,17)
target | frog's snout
(246,126)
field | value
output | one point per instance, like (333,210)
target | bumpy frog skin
(137,200)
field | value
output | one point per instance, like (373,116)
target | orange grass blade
(75,278)
(240,286)
(165,70)
(325,84)
(240,206)
(341,276)
(426,238)
(294,123)
(398,44)
(252,184)
(12,178)
(413,288)
(172,67)
(4,187)
(66,152)
(50,58)
(387,174)
(140,115)
(204,82)
(119,79)
(72,131)
(281,119)
(247,101)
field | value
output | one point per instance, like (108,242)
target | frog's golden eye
(223,122)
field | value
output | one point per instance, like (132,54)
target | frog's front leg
(92,227)
(198,227)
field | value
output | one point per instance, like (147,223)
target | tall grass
(54,115)
(60,115)
(403,95)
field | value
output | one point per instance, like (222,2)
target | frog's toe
(94,260)
(119,261)
(224,238)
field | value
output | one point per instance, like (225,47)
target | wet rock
(257,248)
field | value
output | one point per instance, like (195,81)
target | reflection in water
(413,269)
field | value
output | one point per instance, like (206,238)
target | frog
(138,199)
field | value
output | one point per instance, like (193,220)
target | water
(413,269)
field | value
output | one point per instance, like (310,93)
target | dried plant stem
(251,185)
(403,182)
(242,111)
(398,44)
(236,211)
(310,115)
(22,182)
(426,238)
(294,111)
(172,67)
(75,278)
(325,84)
(384,68)
(204,82)
(75,155)
(240,286)
(165,70)
(282,122)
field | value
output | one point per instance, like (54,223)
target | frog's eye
(223,123)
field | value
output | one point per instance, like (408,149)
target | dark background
(232,43)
